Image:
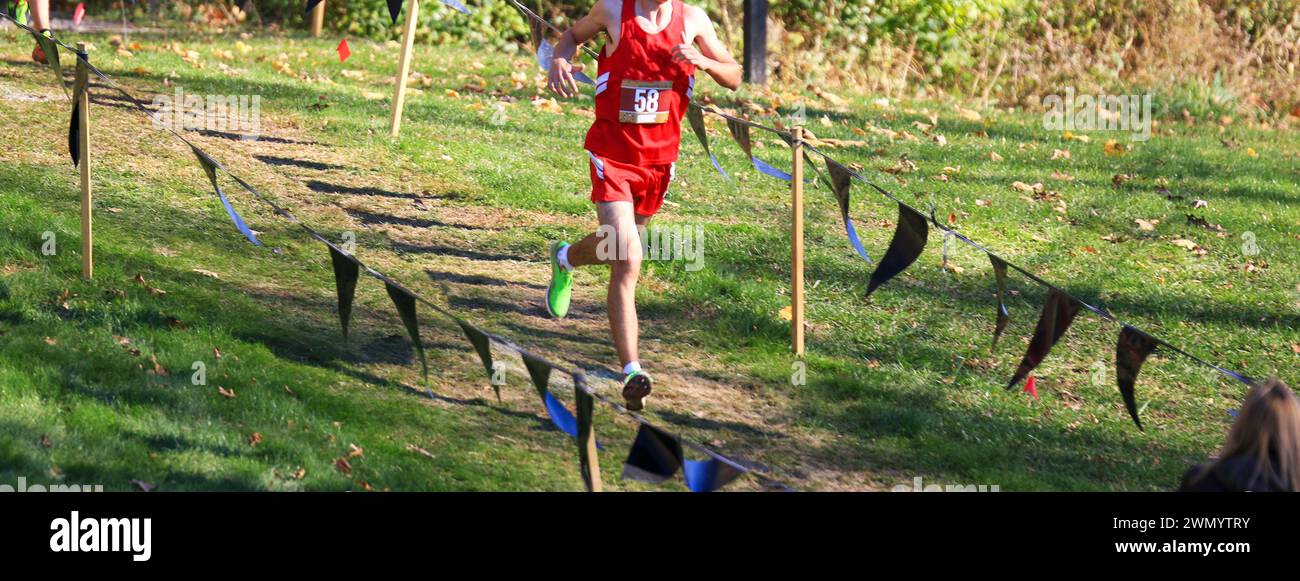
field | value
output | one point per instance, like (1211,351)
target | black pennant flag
(696,117)
(312,4)
(480,342)
(1000,275)
(539,372)
(405,303)
(1058,313)
(210,167)
(585,405)
(655,456)
(346,272)
(1131,351)
(74,128)
(904,249)
(394,8)
(841,182)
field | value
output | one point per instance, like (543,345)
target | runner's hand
(686,52)
(560,79)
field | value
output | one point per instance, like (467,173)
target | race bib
(641,102)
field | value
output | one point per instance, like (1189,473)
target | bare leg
(618,244)
(40,14)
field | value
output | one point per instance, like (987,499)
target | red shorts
(615,181)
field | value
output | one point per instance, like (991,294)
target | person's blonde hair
(1267,431)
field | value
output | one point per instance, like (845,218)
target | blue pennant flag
(456,4)
(561,416)
(763,166)
(708,475)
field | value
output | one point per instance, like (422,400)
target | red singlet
(641,94)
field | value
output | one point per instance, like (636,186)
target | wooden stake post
(83,154)
(317,18)
(796,245)
(404,66)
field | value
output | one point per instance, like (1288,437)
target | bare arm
(561,79)
(712,56)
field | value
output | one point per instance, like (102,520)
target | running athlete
(645,77)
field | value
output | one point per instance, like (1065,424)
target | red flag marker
(1031,387)
(344,51)
(78,14)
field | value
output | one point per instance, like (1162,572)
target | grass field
(460,209)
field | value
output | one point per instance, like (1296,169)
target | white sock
(563,257)
(631,368)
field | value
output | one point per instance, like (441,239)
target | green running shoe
(561,288)
(635,389)
(20,12)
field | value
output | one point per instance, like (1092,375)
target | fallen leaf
(255,439)
(993,155)
(227,393)
(45,439)
(207,273)
(343,466)
(787,313)
(1147,225)
(1062,176)
(1060,154)
(1250,152)
(355,451)
(419,450)
(1114,148)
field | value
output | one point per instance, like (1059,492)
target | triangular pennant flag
(740,132)
(455,4)
(346,272)
(1131,351)
(908,242)
(394,9)
(210,166)
(540,372)
(405,303)
(78,13)
(560,415)
(484,349)
(1058,313)
(585,405)
(655,456)
(538,32)
(1000,276)
(51,50)
(74,129)
(841,182)
(311,4)
(708,475)
(696,118)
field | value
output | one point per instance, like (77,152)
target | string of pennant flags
(1133,345)
(647,460)
(656,455)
